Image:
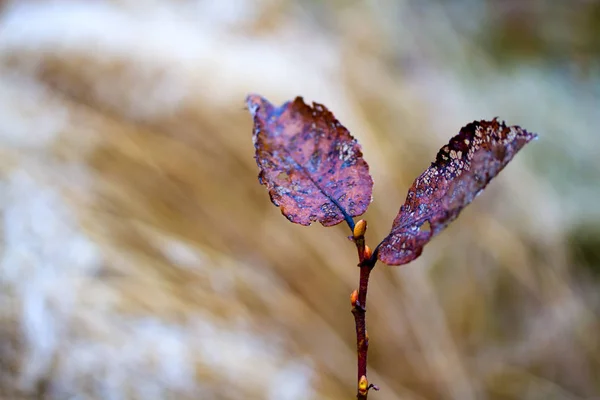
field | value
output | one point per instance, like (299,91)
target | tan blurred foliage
(141,259)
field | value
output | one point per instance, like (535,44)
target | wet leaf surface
(310,163)
(462,169)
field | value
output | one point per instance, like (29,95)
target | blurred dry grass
(141,258)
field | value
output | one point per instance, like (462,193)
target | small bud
(354,298)
(363,385)
(368,252)
(360,228)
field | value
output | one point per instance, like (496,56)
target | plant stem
(359,309)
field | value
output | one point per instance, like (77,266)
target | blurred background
(141,259)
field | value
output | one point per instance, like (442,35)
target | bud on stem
(359,229)
(354,298)
(368,252)
(363,385)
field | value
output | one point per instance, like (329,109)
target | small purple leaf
(462,169)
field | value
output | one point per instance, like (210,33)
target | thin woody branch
(359,308)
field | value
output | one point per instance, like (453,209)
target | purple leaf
(310,163)
(462,169)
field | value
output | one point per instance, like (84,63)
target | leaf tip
(254,102)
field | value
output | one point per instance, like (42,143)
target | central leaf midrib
(345,214)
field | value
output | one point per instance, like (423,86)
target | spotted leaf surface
(310,163)
(462,169)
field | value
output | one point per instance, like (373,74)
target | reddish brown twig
(358,299)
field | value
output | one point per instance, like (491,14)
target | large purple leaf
(310,163)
